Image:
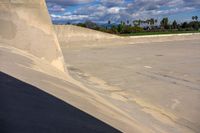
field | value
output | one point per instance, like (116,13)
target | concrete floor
(157,83)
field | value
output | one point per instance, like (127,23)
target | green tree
(137,29)
(123,23)
(194,25)
(156,21)
(120,27)
(90,24)
(164,23)
(108,26)
(127,29)
(114,29)
(127,22)
(151,22)
(174,25)
(137,23)
(184,25)
(109,22)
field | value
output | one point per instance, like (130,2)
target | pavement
(158,84)
(27,109)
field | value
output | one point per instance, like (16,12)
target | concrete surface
(27,109)
(158,84)
(147,88)
(38,73)
(26,25)
(29,52)
(71,36)
(72,33)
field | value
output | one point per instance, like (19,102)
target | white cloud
(68,17)
(68,2)
(117,10)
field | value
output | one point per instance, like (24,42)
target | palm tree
(195,18)
(164,23)
(156,21)
(109,22)
(127,22)
(137,22)
(149,22)
(122,23)
(174,25)
(152,22)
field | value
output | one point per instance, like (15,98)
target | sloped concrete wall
(71,33)
(71,36)
(26,25)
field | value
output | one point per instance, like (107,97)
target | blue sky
(101,11)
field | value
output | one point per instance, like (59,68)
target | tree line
(149,25)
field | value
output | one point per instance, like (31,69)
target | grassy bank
(158,33)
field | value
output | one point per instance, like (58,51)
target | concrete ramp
(76,33)
(71,36)
(76,36)
(26,25)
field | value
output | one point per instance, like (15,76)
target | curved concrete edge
(65,116)
(32,70)
(76,33)
(164,35)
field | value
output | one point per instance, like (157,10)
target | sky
(100,11)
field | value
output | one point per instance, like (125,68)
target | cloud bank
(117,10)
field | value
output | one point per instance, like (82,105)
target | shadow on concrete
(26,109)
